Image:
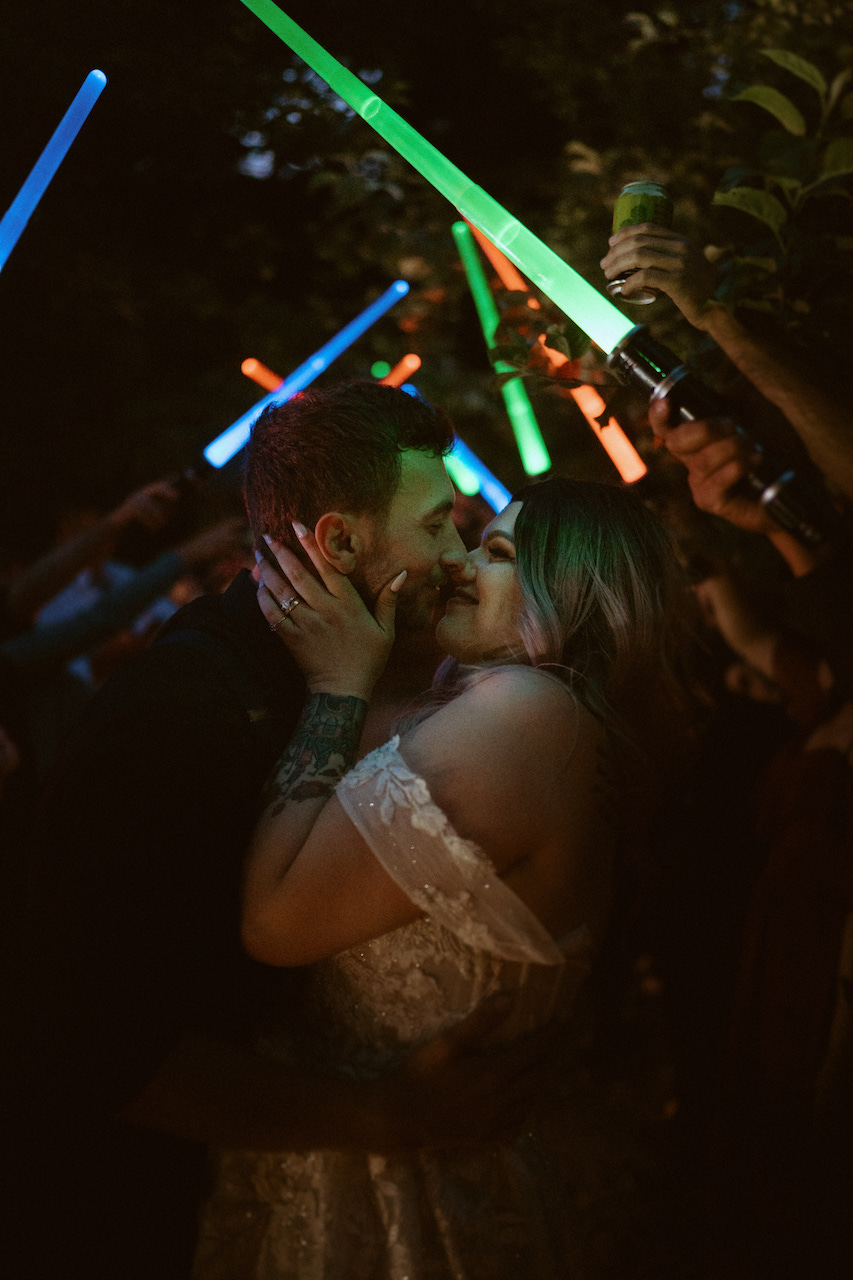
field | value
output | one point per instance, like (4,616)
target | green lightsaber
(528,437)
(604,323)
(794,500)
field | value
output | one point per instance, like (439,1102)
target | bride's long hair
(605,609)
(605,601)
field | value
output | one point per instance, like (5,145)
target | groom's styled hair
(336,449)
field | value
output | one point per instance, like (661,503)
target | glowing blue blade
(491,488)
(466,470)
(231,441)
(18,214)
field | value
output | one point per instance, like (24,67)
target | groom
(134,1010)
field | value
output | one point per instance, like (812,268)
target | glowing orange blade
(261,374)
(621,452)
(401,371)
(509,277)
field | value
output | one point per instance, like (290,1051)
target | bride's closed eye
(499,551)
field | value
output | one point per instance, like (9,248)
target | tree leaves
(838,158)
(759,204)
(835,88)
(783,155)
(799,67)
(777,104)
(576,340)
(791,187)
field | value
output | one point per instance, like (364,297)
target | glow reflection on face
(481,622)
(418,535)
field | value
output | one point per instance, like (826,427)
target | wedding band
(287,606)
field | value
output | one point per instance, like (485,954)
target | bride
(473,854)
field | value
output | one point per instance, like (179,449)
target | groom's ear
(338,536)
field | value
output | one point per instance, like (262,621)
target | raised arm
(716,460)
(41,581)
(341,649)
(819,413)
(118,606)
(496,762)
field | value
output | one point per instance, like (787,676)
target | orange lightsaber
(261,374)
(508,275)
(270,381)
(401,371)
(465,467)
(622,453)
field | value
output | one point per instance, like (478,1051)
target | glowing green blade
(604,323)
(463,477)
(531,446)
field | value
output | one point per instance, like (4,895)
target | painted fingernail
(398,581)
(258,557)
(268,539)
(299,529)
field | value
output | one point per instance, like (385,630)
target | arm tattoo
(321,751)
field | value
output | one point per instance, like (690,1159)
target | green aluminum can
(639,202)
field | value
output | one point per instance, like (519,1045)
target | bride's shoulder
(516,709)
(506,759)
(505,692)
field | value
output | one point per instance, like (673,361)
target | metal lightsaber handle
(797,502)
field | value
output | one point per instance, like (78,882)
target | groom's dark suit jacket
(130,939)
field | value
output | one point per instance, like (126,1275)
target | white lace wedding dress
(484,1214)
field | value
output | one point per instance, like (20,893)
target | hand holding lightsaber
(616,444)
(797,506)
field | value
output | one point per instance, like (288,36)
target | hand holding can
(639,202)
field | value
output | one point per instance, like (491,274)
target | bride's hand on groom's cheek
(341,647)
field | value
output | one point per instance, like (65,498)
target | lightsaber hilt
(796,501)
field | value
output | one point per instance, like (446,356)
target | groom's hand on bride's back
(464,1087)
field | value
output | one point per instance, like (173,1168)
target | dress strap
(451,879)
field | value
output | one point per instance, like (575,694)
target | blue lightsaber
(231,441)
(18,214)
(472,476)
(467,472)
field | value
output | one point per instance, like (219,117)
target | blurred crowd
(71,617)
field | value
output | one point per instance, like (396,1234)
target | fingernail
(268,539)
(398,581)
(258,557)
(299,529)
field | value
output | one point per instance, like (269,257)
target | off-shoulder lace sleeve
(449,878)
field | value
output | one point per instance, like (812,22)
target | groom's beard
(422,610)
(419,605)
